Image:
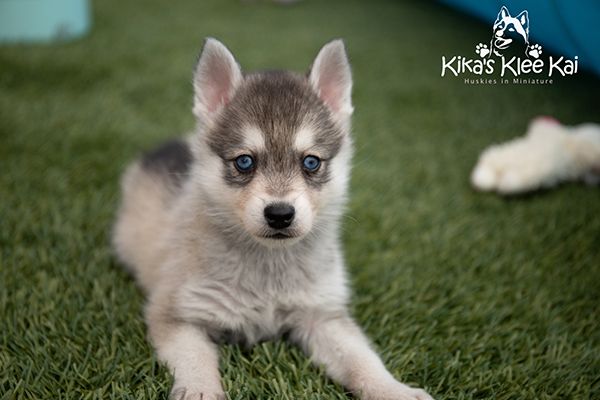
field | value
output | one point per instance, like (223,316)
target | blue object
(311,163)
(43,20)
(244,163)
(567,28)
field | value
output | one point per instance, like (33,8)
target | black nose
(279,215)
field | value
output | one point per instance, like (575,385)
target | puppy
(233,232)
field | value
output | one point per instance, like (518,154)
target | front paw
(183,393)
(394,391)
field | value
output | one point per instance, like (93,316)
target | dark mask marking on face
(278,103)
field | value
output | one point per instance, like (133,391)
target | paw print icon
(535,51)
(482,50)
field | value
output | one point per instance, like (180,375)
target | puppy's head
(273,148)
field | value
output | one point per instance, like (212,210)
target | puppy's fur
(194,229)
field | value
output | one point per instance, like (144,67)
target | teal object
(43,20)
(568,28)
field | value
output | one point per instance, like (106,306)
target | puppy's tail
(139,231)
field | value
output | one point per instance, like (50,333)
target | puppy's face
(274,159)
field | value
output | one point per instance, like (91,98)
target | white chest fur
(257,297)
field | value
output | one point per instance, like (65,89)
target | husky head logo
(274,152)
(509,32)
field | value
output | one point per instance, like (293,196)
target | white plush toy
(548,154)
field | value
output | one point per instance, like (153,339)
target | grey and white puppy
(233,233)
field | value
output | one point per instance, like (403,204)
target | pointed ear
(503,13)
(216,78)
(523,18)
(331,78)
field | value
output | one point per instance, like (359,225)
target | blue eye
(244,163)
(311,163)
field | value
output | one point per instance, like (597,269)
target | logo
(509,56)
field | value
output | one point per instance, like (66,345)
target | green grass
(467,294)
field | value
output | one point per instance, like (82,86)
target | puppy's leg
(190,355)
(340,345)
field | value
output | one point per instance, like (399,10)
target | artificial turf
(469,295)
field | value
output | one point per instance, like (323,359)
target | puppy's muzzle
(279,215)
